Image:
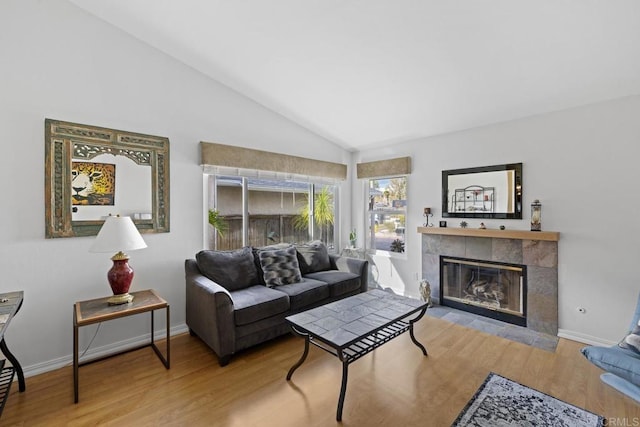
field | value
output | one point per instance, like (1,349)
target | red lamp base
(120,277)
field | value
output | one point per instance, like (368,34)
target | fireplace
(535,250)
(492,289)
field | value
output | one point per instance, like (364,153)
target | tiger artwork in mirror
(93,183)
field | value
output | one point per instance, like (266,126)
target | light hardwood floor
(393,386)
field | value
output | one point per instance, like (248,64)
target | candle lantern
(427,213)
(536,215)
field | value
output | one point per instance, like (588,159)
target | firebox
(491,289)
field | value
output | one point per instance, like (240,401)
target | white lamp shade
(118,233)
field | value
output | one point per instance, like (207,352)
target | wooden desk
(10,303)
(98,310)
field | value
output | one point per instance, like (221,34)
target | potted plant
(397,246)
(353,238)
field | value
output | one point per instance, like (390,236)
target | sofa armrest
(209,311)
(352,265)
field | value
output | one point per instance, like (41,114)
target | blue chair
(622,365)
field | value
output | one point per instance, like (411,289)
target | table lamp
(118,234)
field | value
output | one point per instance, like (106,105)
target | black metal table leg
(15,363)
(166,359)
(302,359)
(413,338)
(168,338)
(415,341)
(343,389)
(75,357)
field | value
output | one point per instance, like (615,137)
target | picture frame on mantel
(143,172)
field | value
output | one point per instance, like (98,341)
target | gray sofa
(237,299)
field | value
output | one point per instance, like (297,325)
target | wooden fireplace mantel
(552,236)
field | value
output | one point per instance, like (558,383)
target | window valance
(383,168)
(213,154)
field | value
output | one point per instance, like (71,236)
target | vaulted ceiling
(363,73)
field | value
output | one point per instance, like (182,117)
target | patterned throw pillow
(632,341)
(280,266)
(256,258)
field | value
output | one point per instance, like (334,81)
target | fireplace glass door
(490,289)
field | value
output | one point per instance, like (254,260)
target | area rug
(502,402)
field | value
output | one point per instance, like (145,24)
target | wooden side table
(98,310)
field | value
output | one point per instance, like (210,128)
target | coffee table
(355,326)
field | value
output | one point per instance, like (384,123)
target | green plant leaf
(217,222)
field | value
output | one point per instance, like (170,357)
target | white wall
(583,166)
(59,62)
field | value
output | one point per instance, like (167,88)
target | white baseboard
(584,338)
(105,350)
(119,346)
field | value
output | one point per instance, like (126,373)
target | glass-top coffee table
(355,326)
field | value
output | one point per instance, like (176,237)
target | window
(387,214)
(254,210)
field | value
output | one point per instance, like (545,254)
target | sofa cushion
(279,266)
(619,361)
(256,303)
(305,293)
(632,341)
(313,257)
(340,282)
(232,270)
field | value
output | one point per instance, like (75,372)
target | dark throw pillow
(279,266)
(231,269)
(313,257)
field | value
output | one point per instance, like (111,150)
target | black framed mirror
(92,172)
(483,192)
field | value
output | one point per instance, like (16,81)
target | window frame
(211,200)
(371,212)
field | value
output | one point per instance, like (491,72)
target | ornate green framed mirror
(92,172)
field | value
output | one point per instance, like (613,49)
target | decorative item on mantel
(536,215)
(119,233)
(425,292)
(482,226)
(502,227)
(427,213)
(463,224)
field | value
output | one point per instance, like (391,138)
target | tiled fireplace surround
(540,257)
